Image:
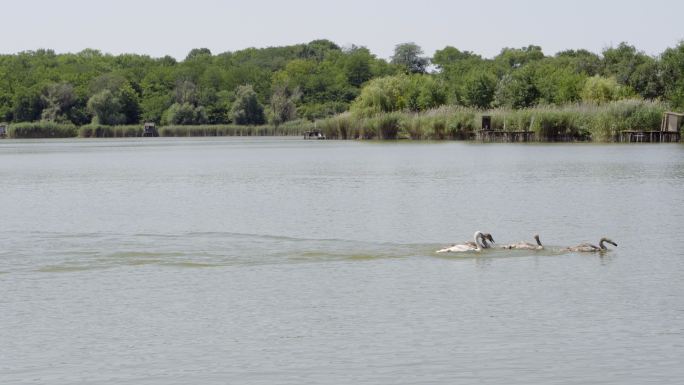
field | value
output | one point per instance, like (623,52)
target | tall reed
(573,122)
(41,129)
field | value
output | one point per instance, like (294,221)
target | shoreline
(632,120)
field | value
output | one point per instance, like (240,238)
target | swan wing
(456,249)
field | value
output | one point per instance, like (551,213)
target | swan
(468,246)
(589,248)
(484,238)
(525,245)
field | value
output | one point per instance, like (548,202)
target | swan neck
(478,239)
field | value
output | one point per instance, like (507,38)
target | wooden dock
(505,136)
(669,131)
(630,136)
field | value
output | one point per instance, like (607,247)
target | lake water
(284,261)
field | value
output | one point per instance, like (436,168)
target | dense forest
(320,79)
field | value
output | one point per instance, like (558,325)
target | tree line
(317,80)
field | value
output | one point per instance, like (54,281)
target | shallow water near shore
(284,261)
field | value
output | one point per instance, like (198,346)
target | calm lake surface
(284,261)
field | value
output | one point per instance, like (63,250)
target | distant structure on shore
(488,134)
(669,132)
(149,129)
(314,134)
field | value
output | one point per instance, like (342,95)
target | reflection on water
(278,261)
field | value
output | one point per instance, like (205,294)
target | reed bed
(287,129)
(575,122)
(33,130)
(103,131)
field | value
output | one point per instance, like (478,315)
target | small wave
(68,268)
(145,254)
(195,265)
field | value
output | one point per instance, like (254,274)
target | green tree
(184,113)
(673,74)
(479,89)
(557,81)
(106,108)
(57,99)
(400,92)
(358,66)
(121,91)
(450,56)
(198,53)
(518,57)
(581,61)
(408,56)
(26,105)
(318,49)
(246,109)
(600,90)
(517,90)
(283,104)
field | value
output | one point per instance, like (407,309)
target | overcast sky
(174,27)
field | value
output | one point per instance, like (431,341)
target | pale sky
(174,27)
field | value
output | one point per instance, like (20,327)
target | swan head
(488,237)
(536,238)
(606,240)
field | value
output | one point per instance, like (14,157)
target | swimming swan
(468,246)
(486,237)
(589,248)
(525,245)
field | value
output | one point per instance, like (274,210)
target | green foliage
(106,108)
(600,90)
(580,61)
(27,105)
(450,56)
(479,88)
(408,56)
(184,113)
(358,66)
(673,75)
(57,99)
(557,84)
(198,53)
(42,85)
(113,100)
(633,69)
(283,105)
(518,57)
(400,92)
(246,108)
(517,90)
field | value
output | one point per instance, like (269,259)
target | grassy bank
(286,129)
(56,130)
(596,122)
(41,130)
(572,122)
